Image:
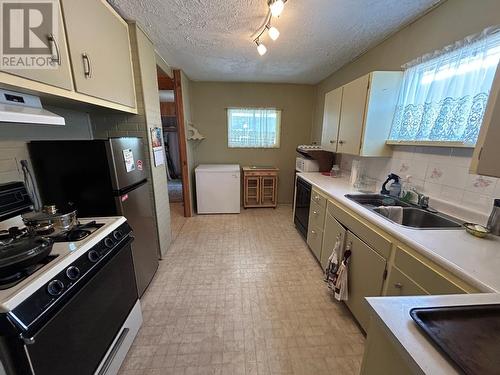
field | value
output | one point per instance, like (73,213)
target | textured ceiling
(211,40)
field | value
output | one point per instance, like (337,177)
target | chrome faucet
(423,201)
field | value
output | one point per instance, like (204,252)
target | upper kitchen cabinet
(486,154)
(358,115)
(60,76)
(331,119)
(100,53)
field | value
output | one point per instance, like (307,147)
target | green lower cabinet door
(366,276)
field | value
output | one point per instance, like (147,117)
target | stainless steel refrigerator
(102,178)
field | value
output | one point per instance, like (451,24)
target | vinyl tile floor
(242,294)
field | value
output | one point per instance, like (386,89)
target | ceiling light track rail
(275,9)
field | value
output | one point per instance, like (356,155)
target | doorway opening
(174,139)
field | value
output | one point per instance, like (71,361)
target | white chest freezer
(218,188)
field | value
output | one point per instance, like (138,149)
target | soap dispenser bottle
(394,189)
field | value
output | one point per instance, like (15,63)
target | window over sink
(253,127)
(444,94)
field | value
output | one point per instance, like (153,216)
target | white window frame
(276,145)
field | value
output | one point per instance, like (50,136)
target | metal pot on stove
(50,218)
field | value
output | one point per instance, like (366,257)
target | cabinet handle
(333,141)
(398,285)
(56,56)
(341,142)
(316,197)
(313,232)
(315,212)
(87,65)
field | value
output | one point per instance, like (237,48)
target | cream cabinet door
(331,119)
(333,230)
(352,116)
(61,75)
(100,51)
(366,276)
(485,158)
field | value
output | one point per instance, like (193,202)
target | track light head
(276,7)
(261,49)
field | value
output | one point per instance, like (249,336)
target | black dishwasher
(302,203)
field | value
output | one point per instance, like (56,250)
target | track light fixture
(275,9)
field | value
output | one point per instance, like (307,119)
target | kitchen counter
(422,356)
(474,260)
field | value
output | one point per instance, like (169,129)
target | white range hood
(25,109)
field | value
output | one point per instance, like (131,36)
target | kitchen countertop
(474,260)
(394,312)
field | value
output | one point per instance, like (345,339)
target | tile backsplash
(439,172)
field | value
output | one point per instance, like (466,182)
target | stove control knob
(72,272)
(118,235)
(93,256)
(108,242)
(55,287)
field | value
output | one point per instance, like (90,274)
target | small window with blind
(253,127)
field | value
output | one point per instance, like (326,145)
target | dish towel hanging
(333,264)
(336,273)
(341,289)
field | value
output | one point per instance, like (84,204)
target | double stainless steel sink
(413,216)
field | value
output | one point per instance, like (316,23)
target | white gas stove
(64,253)
(68,298)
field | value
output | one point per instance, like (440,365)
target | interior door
(61,75)
(333,230)
(366,276)
(331,119)
(100,51)
(352,117)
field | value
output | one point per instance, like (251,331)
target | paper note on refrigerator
(128,157)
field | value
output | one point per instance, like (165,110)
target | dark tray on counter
(468,335)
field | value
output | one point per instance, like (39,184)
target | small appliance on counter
(312,158)
(68,299)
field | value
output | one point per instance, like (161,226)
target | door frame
(181,126)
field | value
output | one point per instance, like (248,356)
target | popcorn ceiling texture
(211,40)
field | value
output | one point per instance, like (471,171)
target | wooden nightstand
(260,187)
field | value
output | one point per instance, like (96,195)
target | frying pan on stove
(22,253)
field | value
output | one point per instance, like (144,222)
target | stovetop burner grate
(18,276)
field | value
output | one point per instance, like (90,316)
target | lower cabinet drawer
(399,284)
(426,277)
(316,216)
(314,240)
